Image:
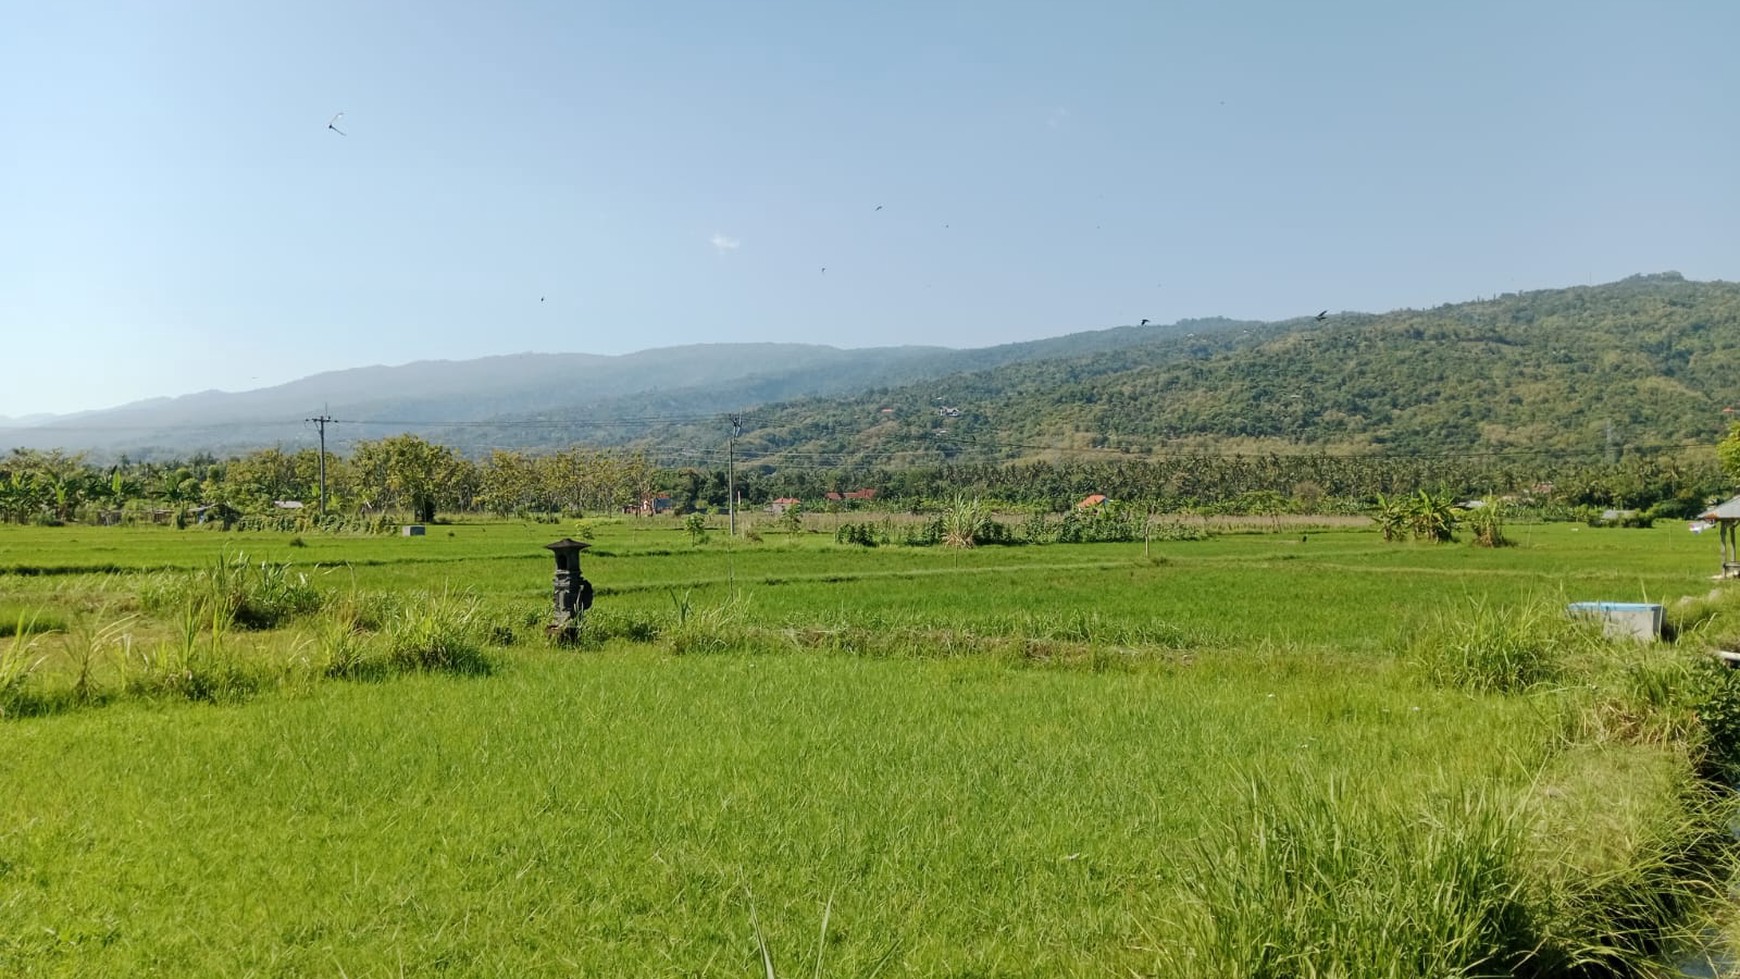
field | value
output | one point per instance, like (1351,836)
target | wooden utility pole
(731,472)
(320,422)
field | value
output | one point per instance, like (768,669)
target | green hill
(1588,372)
(1641,364)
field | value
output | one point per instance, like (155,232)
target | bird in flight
(332,124)
(1144,322)
(1322,316)
(879,207)
(540,299)
(824,270)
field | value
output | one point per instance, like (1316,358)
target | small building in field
(864,495)
(783,504)
(1726,517)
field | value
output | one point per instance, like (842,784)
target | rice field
(1237,756)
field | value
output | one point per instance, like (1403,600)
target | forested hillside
(1641,365)
(1583,374)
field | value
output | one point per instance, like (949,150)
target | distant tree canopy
(408,475)
(1602,396)
(1728,453)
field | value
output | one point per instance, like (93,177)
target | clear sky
(175,214)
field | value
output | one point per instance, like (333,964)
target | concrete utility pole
(731,472)
(321,421)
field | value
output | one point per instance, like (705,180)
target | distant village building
(860,494)
(783,504)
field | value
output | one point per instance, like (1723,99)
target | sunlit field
(1283,750)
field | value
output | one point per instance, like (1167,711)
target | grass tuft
(250,596)
(18,662)
(437,633)
(1485,646)
(1316,878)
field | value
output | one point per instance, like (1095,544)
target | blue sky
(566,176)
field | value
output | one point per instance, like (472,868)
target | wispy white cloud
(725,243)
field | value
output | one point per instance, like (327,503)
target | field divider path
(830,577)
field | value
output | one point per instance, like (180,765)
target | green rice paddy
(1202,758)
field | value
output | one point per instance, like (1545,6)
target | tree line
(408,475)
(401,474)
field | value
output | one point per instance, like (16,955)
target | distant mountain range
(1644,364)
(531,400)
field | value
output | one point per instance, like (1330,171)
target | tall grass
(1481,645)
(92,642)
(198,663)
(1317,878)
(344,646)
(437,632)
(249,595)
(18,661)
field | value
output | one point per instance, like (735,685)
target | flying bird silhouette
(824,270)
(1322,316)
(332,124)
(879,207)
(1144,322)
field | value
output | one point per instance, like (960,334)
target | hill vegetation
(1615,394)
(1640,365)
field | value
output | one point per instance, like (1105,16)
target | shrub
(1038,529)
(862,534)
(1487,523)
(1629,519)
(1108,523)
(1423,516)
(696,525)
(963,521)
(927,534)
(1175,530)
